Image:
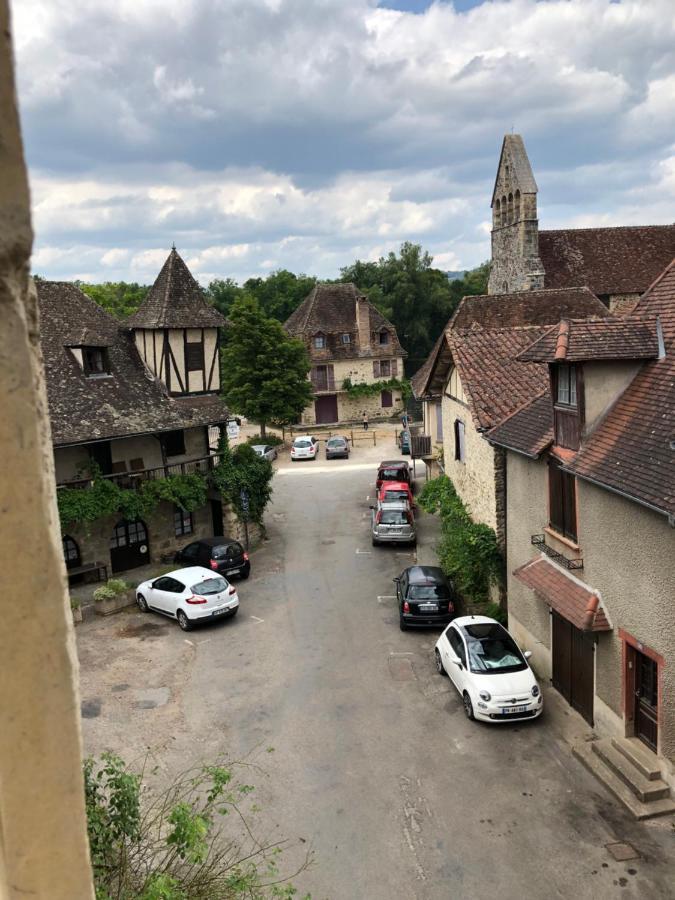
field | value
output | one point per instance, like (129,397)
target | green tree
(119,298)
(222,292)
(280,293)
(264,370)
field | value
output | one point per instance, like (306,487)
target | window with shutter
(194,356)
(562,501)
(394,368)
(385,368)
(376,368)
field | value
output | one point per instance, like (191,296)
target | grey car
(266,450)
(337,447)
(393,523)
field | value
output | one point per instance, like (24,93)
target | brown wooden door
(572,653)
(129,546)
(646,700)
(326,409)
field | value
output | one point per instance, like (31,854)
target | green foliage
(111,589)
(417,298)
(119,298)
(75,603)
(278,294)
(106,498)
(362,389)
(468,551)
(264,370)
(243,470)
(168,844)
(272,440)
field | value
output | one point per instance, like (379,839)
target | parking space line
(382,597)
(191,643)
(256,619)
(364,552)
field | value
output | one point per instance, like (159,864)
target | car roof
(304,437)
(190,572)
(260,446)
(464,621)
(394,464)
(337,437)
(398,503)
(216,541)
(395,486)
(425,574)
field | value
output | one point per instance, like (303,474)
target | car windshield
(395,495)
(209,586)
(303,443)
(336,442)
(391,474)
(259,450)
(428,592)
(393,517)
(221,552)
(492,649)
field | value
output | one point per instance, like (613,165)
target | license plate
(218,612)
(513,709)
(234,571)
(394,531)
(429,607)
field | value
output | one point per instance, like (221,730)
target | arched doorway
(71,552)
(129,547)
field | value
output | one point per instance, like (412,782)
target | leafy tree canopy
(278,294)
(264,369)
(119,298)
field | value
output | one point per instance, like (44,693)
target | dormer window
(384,337)
(346,338)
(567,385)
(95,361)
(319,341)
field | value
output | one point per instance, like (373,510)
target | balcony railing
(539,540)
(421,445)
(203,464)
(323,383)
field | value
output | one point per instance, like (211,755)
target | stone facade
(516,265)
(360,371)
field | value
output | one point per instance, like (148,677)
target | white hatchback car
(189,595)
(304,447)
(488,669)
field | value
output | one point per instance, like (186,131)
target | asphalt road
(374,766)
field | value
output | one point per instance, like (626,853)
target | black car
(425,597)
(223,555)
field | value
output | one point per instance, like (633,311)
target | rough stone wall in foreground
(43,838)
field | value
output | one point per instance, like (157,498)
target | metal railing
(203,465)
(539,540)
(323,382)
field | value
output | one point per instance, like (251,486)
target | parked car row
(393,515)
(306,446)
(201,589)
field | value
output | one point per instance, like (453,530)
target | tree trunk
(263,430)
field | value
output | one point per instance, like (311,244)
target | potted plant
(112,597)
(76,609)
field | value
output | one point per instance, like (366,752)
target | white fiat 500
(488,669)
(304,447)
(189,595)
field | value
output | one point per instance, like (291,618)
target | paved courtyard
(374,766)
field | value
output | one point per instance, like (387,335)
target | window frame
(194,356)
(562,501)
(346,338)
(383,337)
(168,436)
(386,364)
(89,370)
(459,430)
(319,341)
(567,377)
(183,522)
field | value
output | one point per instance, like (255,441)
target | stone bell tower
(516,265)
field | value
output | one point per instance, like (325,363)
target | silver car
(393,523)
(266,450)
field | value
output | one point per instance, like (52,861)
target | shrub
(168,844)
(272,440)
(240,470)
(468,551)
(113,588)
(75,603)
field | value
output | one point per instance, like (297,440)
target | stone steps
(628,784)
(636,753)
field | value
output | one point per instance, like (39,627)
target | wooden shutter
(555,497)
(569,504)
(394,368)
(376,368)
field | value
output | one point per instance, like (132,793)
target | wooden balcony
(421,446)
(323,383)
(133,480)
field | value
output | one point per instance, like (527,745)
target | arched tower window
(516,206)
(498,214)
(510,212)
(503,210)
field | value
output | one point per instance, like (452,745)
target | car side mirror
(372,507)
(396,580)
(527,654)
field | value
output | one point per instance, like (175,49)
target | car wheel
(375,543)
(401,624)
(183,621)
(234,612)
(244,575)
(468,706)
(142,604)
(440,668)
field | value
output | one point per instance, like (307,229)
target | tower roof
(514,154)
(175,301)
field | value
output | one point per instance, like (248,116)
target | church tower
(516,265)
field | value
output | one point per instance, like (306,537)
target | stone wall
(360,371)
(44,850)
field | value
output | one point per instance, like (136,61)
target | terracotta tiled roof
(573,341)
(83,409)
(630,450)
(529,430)
(573,601)
(526,308)
(175,301)
(608,260)
(420,379)
(331,310)
(494,382)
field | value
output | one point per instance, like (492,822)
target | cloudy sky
(260,134)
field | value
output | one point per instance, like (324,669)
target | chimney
(363,322)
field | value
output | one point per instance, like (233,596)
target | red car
(396,490)
(392,470)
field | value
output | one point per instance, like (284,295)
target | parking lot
(375,766)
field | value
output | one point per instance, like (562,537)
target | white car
(189,595)
(488,669)
(265,450)
(304,447)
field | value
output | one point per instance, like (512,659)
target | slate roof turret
(175,301)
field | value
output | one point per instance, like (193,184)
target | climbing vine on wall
(369,389)
(106,498)
(240,470)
